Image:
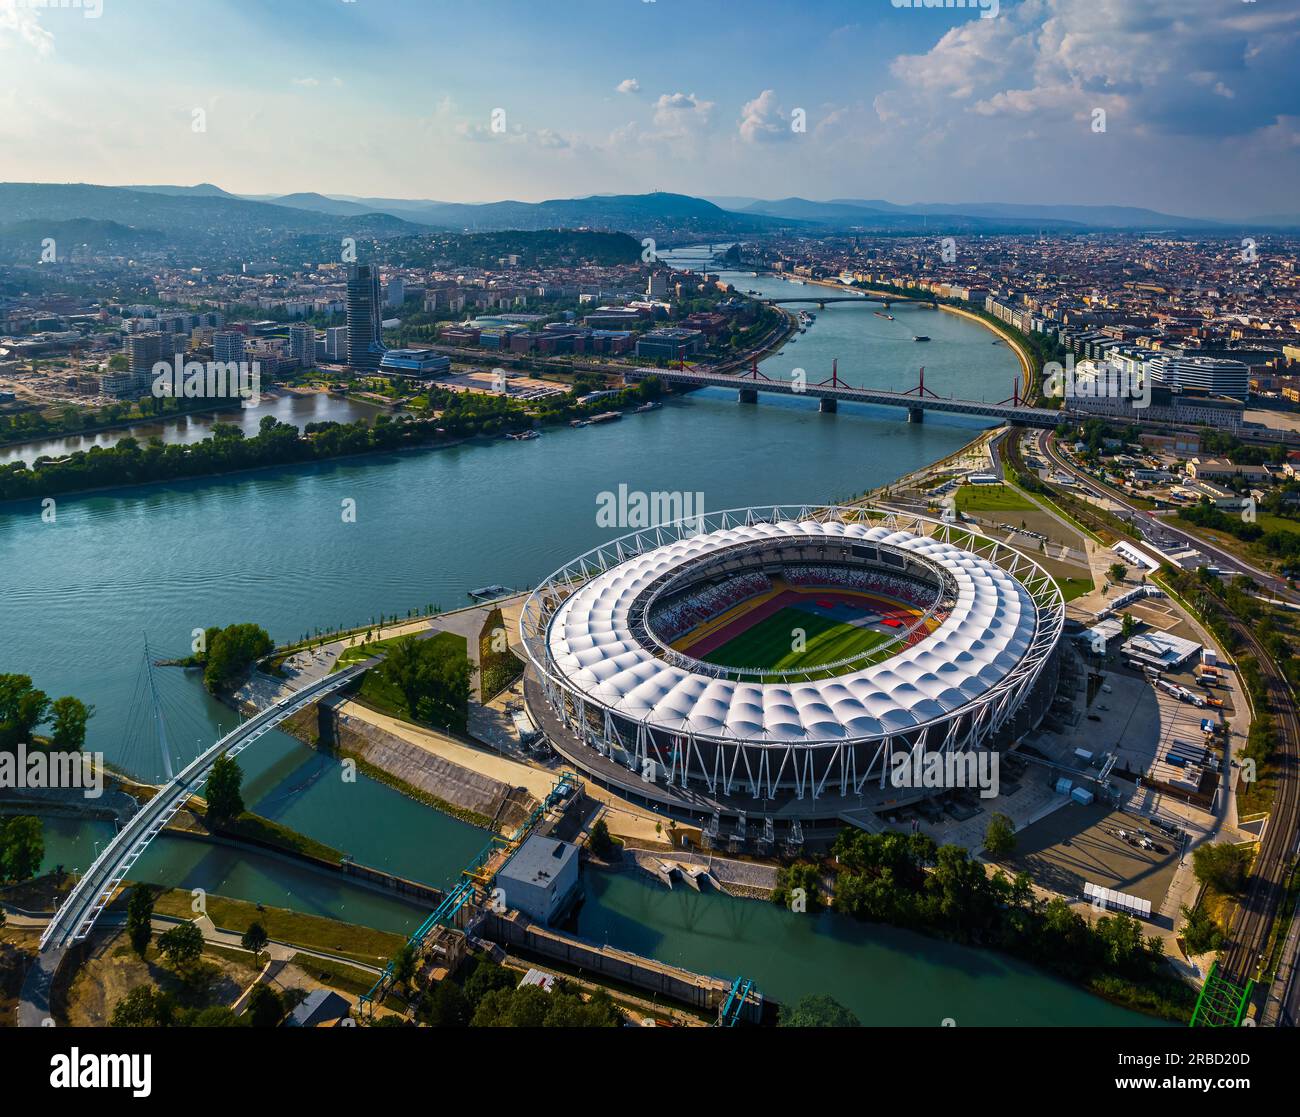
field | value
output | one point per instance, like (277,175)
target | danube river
(78,597)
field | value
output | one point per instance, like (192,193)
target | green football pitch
(769,644)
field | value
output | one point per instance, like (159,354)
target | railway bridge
(833,389)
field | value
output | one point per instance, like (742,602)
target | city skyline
(394,99)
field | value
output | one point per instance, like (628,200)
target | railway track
(1249,934)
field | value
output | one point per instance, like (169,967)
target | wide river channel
(79,596)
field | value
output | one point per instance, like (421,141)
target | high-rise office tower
(365,342)
(143,351)
(227,345)
(302,344)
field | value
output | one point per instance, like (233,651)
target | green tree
(1200,933)
(182,945)
(798,883)
(404,965)
(225,801)
(231,651)
(1222,865)
(1117,571)
(255,938)
(600,844)
(214,1016)
(22,847)
(139,918)
(1000,836)
(445,1006)
(486,977)
(818,1010)
(22,709)
(265,1007)
(1127,626)
(143,1007)
(70,716)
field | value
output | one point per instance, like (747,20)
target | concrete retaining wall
(697,991)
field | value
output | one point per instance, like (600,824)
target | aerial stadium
(775,660)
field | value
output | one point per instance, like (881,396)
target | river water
(78,597)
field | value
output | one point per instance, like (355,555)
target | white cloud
(762,120)
(629,85)
(679,113)
(20,26)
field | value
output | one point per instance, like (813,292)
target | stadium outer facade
(697,739)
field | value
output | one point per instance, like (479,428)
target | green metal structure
(1222,1002)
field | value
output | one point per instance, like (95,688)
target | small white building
(541,878)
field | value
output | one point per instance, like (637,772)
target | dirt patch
(112,969)
(18,946)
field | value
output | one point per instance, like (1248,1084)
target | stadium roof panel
(987,634)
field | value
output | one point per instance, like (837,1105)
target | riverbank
(125,424)
(337,442)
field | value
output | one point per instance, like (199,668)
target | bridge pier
(747,395)
(916,414)
(827,405)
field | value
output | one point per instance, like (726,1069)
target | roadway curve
(1142,518)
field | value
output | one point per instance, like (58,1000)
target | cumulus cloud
(679,113)
(629,85)
(762,120)
(1225,72)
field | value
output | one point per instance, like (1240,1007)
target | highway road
(1148,524)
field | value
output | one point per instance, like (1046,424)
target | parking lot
(1079,844)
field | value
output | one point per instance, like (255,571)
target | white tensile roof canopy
(983,639)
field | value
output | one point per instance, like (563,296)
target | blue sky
(1201,98)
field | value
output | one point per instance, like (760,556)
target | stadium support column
(747,395)
(916,414)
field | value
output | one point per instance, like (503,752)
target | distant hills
(184,214)
(992,215)
(206,214)
(23,240)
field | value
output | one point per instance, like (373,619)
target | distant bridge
(76,916)
(832,390)
(822,300)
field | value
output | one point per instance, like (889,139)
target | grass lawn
(335,974)
(379,694)
(362,944)
(991,498)
(767,644)
(1074,587)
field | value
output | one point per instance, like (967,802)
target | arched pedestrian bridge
(75,918)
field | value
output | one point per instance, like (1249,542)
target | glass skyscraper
(365,342)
